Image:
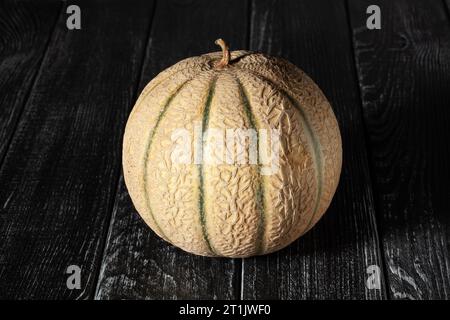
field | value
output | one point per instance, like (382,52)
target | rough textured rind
(291,192)
(216,208)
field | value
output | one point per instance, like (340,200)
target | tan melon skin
(244,213)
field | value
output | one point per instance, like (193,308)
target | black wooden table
(65,96)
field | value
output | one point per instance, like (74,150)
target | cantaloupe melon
(234,204)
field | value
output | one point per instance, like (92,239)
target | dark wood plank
(60,174)
(329,262)
(137,264)
(25,29)
(404,72)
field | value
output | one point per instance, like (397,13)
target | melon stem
(226,54)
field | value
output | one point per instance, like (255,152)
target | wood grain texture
(137,263)
(60,174)
(330,261)
(447,3)
(25,29)
(404,73)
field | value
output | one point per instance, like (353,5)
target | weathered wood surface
(60,174)
(65,97)
(138,264)
(330,262)
(404,73)
(25,29)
